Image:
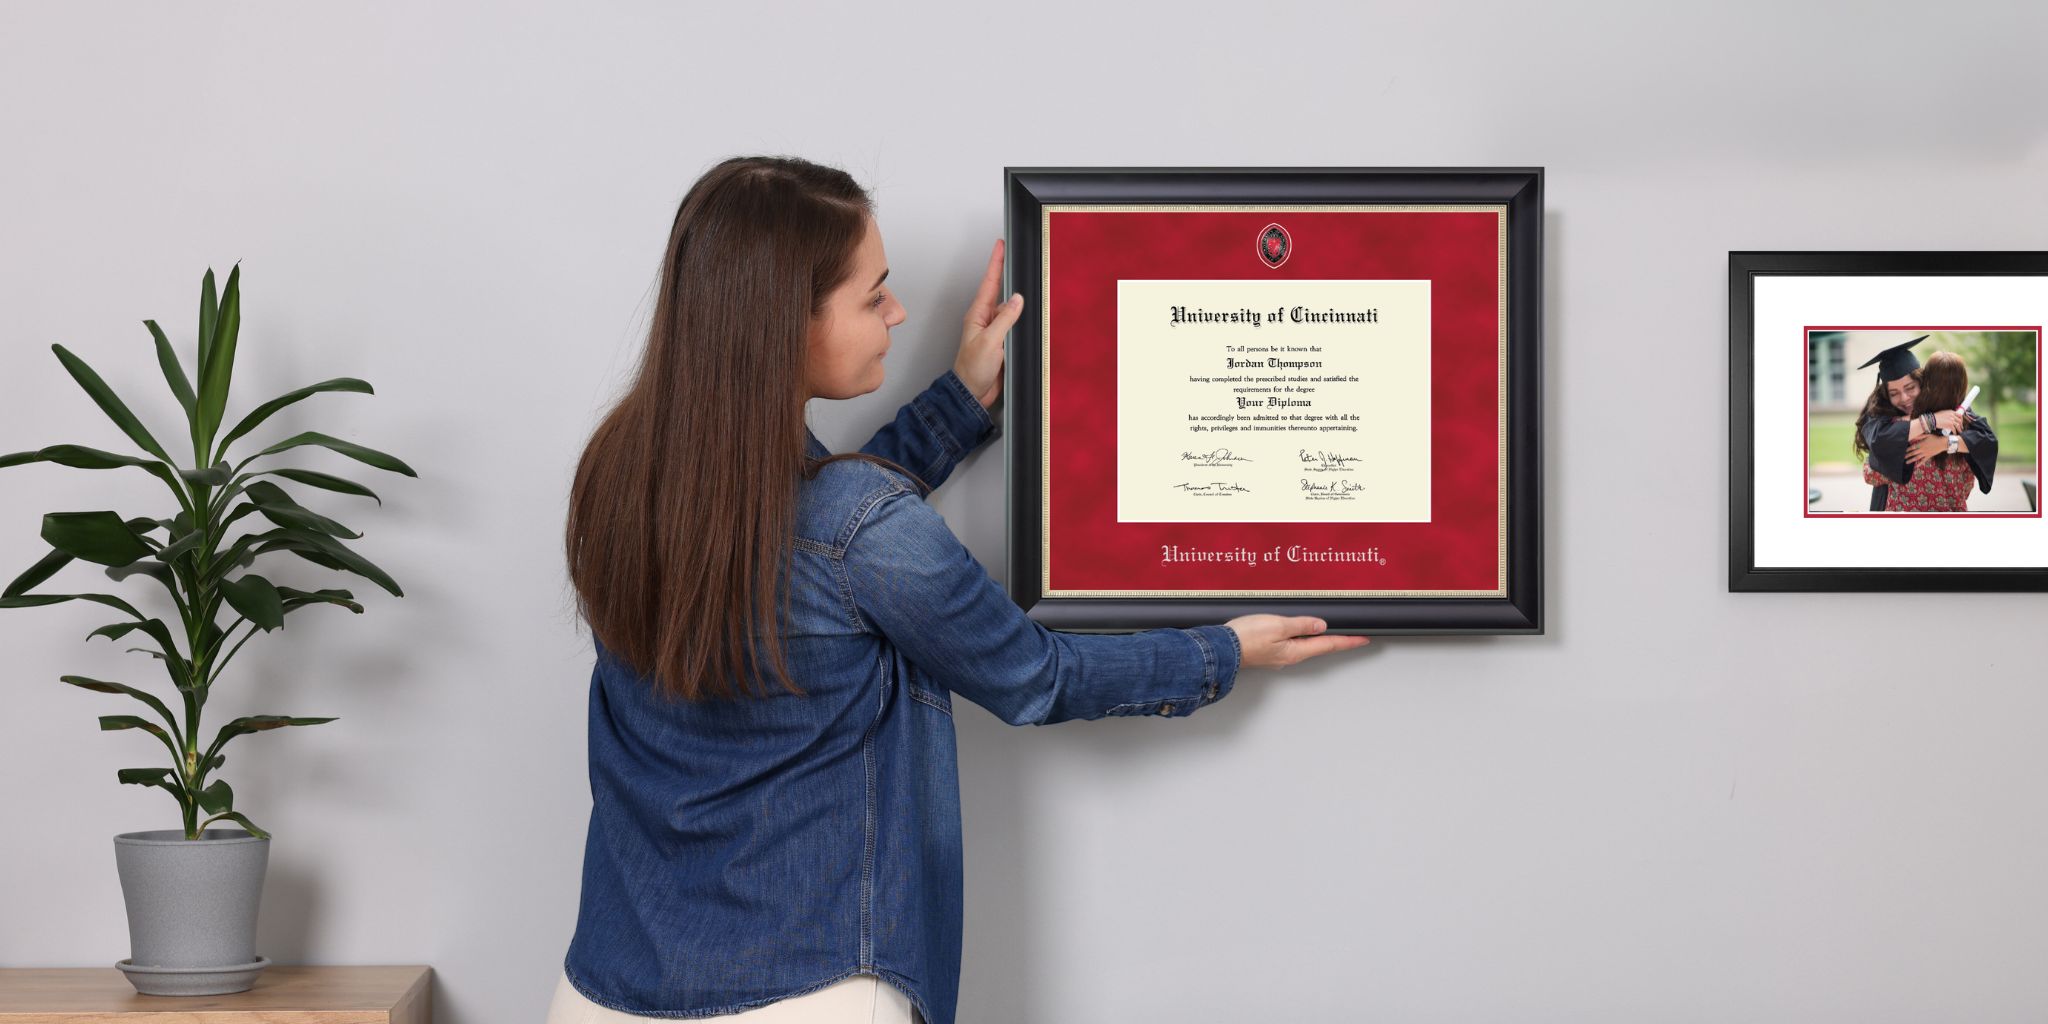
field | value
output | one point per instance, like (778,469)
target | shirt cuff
(963,413)
(1221,655)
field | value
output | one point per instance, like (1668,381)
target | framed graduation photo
(1308,391)
(1884,420)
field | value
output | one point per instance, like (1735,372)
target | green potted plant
(192,892)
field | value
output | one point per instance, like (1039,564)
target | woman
(1939,462)
(775,822)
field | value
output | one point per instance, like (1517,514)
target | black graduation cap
(1895,362)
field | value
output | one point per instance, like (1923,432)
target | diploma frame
(1513,606)
(1745,271)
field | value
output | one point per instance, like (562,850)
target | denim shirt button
(1166,709)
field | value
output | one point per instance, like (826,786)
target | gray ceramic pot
(191,909)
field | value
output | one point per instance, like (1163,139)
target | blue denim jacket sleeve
(912,581)
(934,431)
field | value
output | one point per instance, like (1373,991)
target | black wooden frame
(1026,191)
(1743,269)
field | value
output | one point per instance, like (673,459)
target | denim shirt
(741,852)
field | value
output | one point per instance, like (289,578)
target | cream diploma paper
(1272,401)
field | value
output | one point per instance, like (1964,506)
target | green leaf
(80,457)
(145,567)
(37,573)
(109,402)
(115,631)
(218,760)
(278,507)
(236,817)
(368,456)
(324,550)
(111,723)
(262,723)
(220,474)
(300,598)
(323,481)
(243,509)
(174,372)
(218,798)
(101,686)
(146,777)
(255,723)
(155,628)
(185,542)
(257,599)
(242,560)
(268,493)
(180,669)
(217,365)
(165,779)
(102,537)
(305,519)
(240,553)
(210,635)
(209,313)
(323,561)
(264,411)
(37,600)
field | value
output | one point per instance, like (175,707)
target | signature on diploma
(1325,462)
(1212,488)
(1216,457)
(1333,487)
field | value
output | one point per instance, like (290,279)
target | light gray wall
(1680,804)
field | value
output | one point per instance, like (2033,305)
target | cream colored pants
(860,999)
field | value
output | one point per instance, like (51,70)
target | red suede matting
(1457,250)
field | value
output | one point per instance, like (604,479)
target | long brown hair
(1877,406)
(1944,380)
(682,512)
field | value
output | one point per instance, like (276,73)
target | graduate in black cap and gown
(1889,426)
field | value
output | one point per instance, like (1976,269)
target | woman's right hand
(1951,420)
(982,332)
(1277,641)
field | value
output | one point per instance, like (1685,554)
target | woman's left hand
(1926,448)
(980,363)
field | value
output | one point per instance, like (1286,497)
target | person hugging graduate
(1901,428)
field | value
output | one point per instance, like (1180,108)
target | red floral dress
(1935,487)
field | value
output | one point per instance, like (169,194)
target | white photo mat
(1784,307)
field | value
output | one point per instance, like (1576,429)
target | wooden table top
(284,994)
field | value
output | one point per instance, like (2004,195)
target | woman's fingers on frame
(1006,317)
(1309,624)
(1304,648)
(984,307)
